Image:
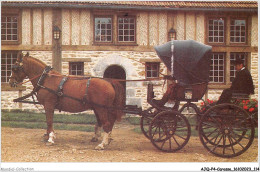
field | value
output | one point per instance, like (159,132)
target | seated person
(242,83)
(169,94)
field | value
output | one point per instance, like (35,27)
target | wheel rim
(226,130)
(146,120)
(169,131)
(145,123)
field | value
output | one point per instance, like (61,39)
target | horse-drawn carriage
(225,130)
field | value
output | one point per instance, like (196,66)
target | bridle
(17,67)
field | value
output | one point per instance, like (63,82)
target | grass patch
(58,118)
(41,125)
(134,120)
(32,120)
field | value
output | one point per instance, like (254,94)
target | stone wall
(128,60)
(8,96)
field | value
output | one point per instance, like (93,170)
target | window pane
(103,31)
(126,29)
(9,28)
(216,30)
(76,68)
(217,68)
(237,31)
(152,69)
(8,58)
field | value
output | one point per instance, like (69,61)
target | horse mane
(31,59)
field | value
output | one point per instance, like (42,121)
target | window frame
(224,69)
(246,31)
(117,30)
(77,63)
(112,30)
(17,13)
(152,63)
(224,30)
(6,70)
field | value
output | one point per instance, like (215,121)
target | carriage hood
(191,60)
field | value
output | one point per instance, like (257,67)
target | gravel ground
(26,145)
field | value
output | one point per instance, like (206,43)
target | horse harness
(58,92)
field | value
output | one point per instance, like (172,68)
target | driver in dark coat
(242,83)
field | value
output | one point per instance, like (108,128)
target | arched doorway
(116,72)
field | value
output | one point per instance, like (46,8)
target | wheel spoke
(217,144)
(237,142)
(215,137)
(211,132)
(154,132)
(239,136)
(231,143)
(163,143)
(179,136)
(170,143)
(224,143)
(175,141)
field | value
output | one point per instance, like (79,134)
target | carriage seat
(240,96)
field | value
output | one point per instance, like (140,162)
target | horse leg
(97,132)
(97,129)
(49,111)
(102,114)
(107,123)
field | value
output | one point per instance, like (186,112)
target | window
(8,58)
(76,68)
(233,57)
(238,31)
(216,31)
(152,69)
(217,68)
(126,29)
(103,29)
(9,28)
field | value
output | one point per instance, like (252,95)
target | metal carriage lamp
(56,33)
(172,34)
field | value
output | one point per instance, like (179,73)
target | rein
(21,83)
(45,74)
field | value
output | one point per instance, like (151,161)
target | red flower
(244,101)
(202,103)
(208,100)
(245,107)
(256,106)
(211,101)
(251,109)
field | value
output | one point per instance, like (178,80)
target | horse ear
(20,57)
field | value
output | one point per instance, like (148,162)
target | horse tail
(119,100)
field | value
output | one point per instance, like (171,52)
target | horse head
(18,74)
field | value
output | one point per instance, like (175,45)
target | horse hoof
(94,139)
(99,147)
(49,144)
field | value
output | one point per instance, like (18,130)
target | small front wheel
(169,131)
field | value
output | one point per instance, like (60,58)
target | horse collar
(46,70)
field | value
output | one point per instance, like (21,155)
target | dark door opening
(116,72)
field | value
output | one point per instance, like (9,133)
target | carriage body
(226,130)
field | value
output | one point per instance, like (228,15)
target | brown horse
(105,98)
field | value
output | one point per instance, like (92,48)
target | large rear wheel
(226,130)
